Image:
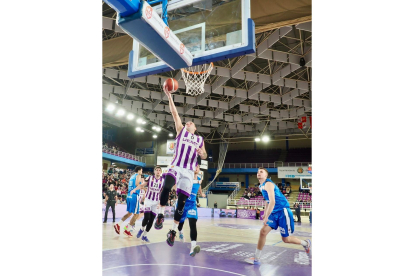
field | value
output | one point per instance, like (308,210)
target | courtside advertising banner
(170,146)
(164,160)
(293,172)
(246,214)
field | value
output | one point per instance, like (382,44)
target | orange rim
(199,73)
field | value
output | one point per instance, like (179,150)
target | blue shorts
(284,220)
(132,204)
(190,210)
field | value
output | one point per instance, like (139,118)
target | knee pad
(169,182)
(182,198)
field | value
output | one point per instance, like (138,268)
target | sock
(181,232)
(162,209)
(120,222)
(304,243)
(257,254)
(143,228)
(131,228)
(174,226)
(193,244)
(145,233)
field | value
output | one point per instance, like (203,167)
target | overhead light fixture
(170,134)
(120,112)
(154,136)
(138,129)
(139,120)
(257,139)
(142,130)
(110,107)
(265,139)
(130,116)
(143,122)
(153,127)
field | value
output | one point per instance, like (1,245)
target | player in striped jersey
(155,184)
(181,170)
(277,214)
(190,212)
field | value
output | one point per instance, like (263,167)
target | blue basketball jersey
(132,185)
(280,200)
(194,191)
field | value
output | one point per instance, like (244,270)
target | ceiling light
(265,138)
(142,130)
(138,129)
(110,107)
(154,136)
(170,134)
(130,116)
(139,121)
(153,127)
(120,112)
(143,122)
(257,139)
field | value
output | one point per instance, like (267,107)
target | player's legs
(148,227)
(113,211)
(169,182)
(181,224)
(118,225)
(287,227)
(106,212)
(193,235)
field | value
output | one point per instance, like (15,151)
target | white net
(194,78)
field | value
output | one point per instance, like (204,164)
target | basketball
(171,85)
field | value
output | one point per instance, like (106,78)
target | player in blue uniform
(132,204)
(277,214)
(190,212)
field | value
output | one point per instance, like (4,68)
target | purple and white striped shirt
(185,152)
(155,187)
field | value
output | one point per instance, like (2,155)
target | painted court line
(176,265)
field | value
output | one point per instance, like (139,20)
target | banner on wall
(204,165)
(164,160)
(293,172)
(170,146)
(235,184)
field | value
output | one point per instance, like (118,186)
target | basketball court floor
(225,244)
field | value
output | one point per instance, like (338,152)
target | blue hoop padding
(124,7)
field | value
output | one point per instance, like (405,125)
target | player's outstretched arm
(202,152)
(177,120)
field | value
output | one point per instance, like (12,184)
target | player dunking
(181,170)
(132,204)
(277,214)
(155,185)
(190,212)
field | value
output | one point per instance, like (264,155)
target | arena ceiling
(261,93)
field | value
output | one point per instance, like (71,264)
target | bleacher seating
(304,197)
(253,156)
(299,155)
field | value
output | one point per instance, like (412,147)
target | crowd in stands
(120,179)
(252,192)
(299,155)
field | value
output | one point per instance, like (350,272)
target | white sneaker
(307,247)
(195,250)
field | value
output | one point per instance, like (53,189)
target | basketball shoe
(158,223)
(171,237)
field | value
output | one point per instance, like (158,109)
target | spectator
(249,195)
(215,204)
(257,213)
(297,211)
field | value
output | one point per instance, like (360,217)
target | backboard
(210,29)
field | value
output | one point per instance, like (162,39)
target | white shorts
(183,178)
(151,206)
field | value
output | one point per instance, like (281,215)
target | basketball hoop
(195,77)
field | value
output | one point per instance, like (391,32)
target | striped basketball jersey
(132,184)
(194,191)
(185,152)
(155,187)
(141,194)
(280,200)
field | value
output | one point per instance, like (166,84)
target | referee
(110,201)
